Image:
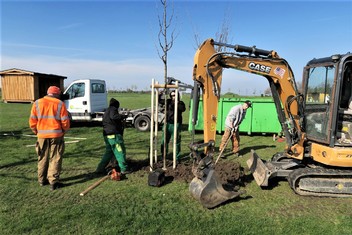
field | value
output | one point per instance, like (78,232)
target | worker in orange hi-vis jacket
(49,120)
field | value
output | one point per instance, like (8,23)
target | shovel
(113,174)
(223,149)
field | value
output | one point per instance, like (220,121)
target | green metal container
(261,118)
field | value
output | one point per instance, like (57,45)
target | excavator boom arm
(208,66)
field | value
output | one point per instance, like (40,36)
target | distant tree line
(129,91)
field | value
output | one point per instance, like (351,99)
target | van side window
(76,90)
(98,88)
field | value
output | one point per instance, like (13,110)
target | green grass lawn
(131,206)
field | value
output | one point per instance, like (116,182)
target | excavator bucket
(210,192)
(260,171)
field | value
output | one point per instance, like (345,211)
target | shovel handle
(227,141)
(94,185)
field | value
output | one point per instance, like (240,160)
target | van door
(98,99)
(77,103)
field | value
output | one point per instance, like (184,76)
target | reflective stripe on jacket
(49,118)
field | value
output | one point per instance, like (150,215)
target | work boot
(56,185)
(45,182)
(126,172)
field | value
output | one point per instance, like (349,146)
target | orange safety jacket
(49,118)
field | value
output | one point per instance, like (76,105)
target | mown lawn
(131,206)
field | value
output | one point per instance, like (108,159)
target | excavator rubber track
(321,182)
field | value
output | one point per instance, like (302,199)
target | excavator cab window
(346,88)
(318,100)
(344,125)
(321,80)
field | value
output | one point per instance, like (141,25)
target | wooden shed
(25,86)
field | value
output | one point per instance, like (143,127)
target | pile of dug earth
(230,173)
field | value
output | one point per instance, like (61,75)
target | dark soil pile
(229,173)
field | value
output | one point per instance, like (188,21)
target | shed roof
(15,71)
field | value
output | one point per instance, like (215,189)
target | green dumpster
(261,118)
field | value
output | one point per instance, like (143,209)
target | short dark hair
(249,103)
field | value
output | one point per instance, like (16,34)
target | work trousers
(50,151)
(114,147)
(235,139)
(169,134)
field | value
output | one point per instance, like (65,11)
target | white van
(87,100)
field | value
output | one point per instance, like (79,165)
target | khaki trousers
(50,151)
(235,139)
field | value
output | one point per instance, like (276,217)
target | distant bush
(230,94)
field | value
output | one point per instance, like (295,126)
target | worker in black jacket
(170,106)
(113,136)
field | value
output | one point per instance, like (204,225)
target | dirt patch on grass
(229,173)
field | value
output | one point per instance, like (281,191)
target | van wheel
(142,123)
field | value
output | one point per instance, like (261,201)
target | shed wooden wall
(17,88)
(25,86)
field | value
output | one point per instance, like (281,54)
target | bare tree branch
(220,36)
(165,42)
(223,35)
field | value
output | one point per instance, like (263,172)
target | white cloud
(118,74)
(121,75)
(69,26)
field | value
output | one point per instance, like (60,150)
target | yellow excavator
(316,122)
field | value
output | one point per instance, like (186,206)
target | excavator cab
(328,88)
(324,167)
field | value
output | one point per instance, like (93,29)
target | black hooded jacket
(171,111)
(112,120)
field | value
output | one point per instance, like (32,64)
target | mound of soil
(229,173)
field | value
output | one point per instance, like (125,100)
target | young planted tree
(166,37)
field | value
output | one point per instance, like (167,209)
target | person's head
(247,104)
(173,95)
(54,91)
(114,102)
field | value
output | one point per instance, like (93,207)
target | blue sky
(117,40)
